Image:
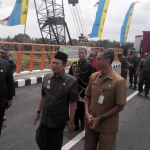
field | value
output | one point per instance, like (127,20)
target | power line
(74,21)
(82,20)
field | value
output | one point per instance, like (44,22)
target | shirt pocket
(95,86)
(109,96)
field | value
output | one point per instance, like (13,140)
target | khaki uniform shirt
(114,90)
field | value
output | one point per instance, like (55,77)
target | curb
(35,80)
(25,82)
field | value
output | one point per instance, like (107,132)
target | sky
(114,19)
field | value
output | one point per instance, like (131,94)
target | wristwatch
(102,119)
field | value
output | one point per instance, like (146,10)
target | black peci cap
(62,56)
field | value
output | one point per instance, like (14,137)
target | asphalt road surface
(18,132)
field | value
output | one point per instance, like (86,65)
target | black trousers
(49,138)
(124,74)
(79,114)
(2,111)
(132,74)
(144,80)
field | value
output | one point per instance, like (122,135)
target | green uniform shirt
(6,83)
(58,93)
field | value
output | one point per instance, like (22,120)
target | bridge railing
(19,50)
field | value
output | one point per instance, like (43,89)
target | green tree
(22,38)
(74,42)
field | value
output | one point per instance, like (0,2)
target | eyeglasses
(99,58)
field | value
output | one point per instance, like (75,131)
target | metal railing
(32,51)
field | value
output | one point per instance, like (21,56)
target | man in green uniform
(124,65)
(59,90)
(134,61)
(6,56)
(6,88)
(82,71)
(105,98)
(144,75)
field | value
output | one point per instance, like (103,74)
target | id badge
(101,99)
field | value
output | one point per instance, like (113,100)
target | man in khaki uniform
(105,98)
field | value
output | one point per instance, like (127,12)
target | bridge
(18,132)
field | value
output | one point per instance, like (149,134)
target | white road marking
(132,95)
(82,134)
(74,141)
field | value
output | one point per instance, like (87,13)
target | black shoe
(130,85)
(139,93)
(76,128)
(146,95)
(135,87)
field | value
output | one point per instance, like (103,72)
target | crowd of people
(138,69)
(90,96)
(95,99)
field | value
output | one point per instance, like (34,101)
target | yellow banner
(102,21)
(24,12)
(129,21)
(128,24)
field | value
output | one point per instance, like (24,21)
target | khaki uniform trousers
(98,140)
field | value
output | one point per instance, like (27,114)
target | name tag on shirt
(101,99)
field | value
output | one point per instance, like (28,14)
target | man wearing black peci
(59,91)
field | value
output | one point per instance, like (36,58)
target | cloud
(115,17)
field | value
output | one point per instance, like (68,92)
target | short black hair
(108,54)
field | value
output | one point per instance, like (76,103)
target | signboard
(72,52)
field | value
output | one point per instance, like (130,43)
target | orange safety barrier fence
(21,49)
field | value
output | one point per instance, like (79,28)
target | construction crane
(52,24)
(78,21)
(51,20)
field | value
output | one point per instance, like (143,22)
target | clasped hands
(93,122)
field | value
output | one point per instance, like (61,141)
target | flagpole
(23,41)
(99,42)
(23,44)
